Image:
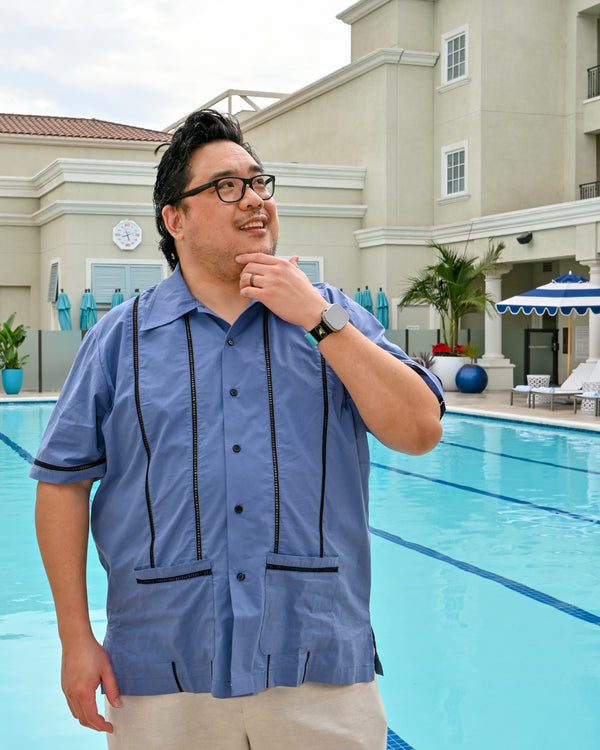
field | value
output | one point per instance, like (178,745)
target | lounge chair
(550,394)
(521,389)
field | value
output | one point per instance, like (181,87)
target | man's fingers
(111,689)
(89,716)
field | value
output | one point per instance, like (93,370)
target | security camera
(524,239)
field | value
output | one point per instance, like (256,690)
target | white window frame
(89,262)
(311,258)
(463,146)
(55,287)
(446,40)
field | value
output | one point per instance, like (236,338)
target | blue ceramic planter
(12,380)
(471,379)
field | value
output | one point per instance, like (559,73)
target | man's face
(214,232)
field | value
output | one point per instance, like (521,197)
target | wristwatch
(333,318)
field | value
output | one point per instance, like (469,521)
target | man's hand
(84,667)
(282,287)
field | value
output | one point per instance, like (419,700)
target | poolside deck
(497,404)
(488,403)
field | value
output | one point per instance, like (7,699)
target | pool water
(486,591)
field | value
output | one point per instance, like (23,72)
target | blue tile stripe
(520,588)
(16,448)
(397,743)
(487,493)
(519,458)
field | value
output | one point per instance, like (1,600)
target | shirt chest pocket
(301,604)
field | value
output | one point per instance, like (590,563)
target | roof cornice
(560,215)
(359,10)
(356,69)
(110,172)
(96,171)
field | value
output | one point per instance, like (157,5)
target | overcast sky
(150,62)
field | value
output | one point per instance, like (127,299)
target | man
(225,413)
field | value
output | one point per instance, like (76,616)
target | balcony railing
(589,190)
(594,81)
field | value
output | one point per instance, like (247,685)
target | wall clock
(127,234)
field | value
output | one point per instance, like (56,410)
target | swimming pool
(486,584)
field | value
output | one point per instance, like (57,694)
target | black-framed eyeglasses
(232,189)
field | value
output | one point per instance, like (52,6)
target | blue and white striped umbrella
(565,294)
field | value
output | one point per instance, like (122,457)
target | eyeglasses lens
(231,189)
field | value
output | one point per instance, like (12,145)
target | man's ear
(172,218)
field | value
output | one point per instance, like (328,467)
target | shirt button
(233,392)
(237,448)
(241,576)
(239,508)
(230,342)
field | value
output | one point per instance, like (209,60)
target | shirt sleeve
(373,329)
(72,448)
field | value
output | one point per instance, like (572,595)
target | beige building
(65,184)
(455,121)
(474,120)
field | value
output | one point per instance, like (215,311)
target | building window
(312,268)
(454,169)
(128,277)
(53,282)
(455,55)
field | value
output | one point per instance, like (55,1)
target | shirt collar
(171,299)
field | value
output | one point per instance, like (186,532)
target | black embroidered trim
(305,666)
(81,467)
(174,667)
(194,436)
(136,379)
(323,450)
(272,419)
(182,577)
(301,569)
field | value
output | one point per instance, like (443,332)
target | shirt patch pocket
(301,607)
(178,611)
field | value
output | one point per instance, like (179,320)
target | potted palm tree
(12,364)
(453,286)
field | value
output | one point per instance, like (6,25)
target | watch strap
(318,333)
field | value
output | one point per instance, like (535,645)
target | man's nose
(251,198)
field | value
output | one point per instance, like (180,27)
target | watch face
(335,317)
(127,235)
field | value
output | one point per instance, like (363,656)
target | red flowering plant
(443,350)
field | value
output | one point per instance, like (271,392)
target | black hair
(200,128)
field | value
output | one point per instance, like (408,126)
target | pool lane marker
(519,458)
(487,493)
(17,448)
(520,588)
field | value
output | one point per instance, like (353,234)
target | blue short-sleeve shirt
(232,511)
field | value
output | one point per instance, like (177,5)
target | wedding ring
(251,279)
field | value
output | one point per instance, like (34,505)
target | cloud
(152,61)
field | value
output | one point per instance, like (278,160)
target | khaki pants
(311,716)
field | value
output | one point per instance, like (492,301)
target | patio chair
(550,394)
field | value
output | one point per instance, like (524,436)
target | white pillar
(594,318)
(498,368)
